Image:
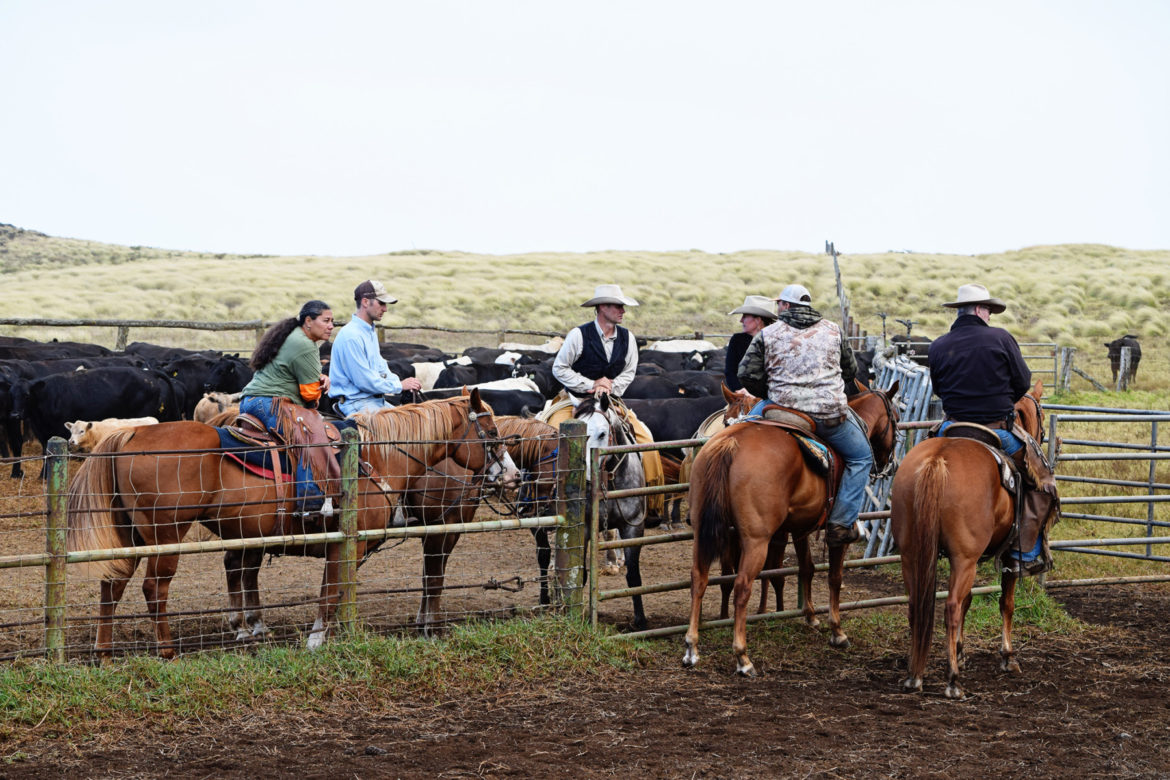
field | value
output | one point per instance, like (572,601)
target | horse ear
(1038,390)
(465,391)
(604,403)
(893,391)
(728,395)
(476,402)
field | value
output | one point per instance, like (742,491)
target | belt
(997,424)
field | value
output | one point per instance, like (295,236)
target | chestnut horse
(175,475)
(947,497)
(752,479)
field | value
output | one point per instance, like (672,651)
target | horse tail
(91,511)
(709,497)
(929,483)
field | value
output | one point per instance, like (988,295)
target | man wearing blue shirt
(359,377)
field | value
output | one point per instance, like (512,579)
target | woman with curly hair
(288,373)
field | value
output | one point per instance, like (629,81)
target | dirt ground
(1083,706)
(1080,709)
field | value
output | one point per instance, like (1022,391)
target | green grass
(472,659)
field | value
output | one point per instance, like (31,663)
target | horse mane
(412,428)
(535,437)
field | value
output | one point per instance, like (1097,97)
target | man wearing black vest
(599,356)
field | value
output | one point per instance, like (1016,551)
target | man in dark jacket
(979,374)
(802,362)
(757,313)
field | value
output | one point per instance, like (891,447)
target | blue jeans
(370,404)
(1009,441)
(848,440)
(310,498)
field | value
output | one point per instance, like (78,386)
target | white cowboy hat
(795,293)
(609,293)
(757,306)
(976,295)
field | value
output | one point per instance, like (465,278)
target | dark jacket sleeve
(751,369)
(1021,375)
(736,347)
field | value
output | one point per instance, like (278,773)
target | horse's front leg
(838,637)
(804,579)
(156,585)
(232,566)
(1007,606)
(330,595)
(111,594)
(775,561)
(436,552)
(543,558)
(634,574)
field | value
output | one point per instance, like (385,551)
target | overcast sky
(349,128)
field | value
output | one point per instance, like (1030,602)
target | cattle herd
(82,391)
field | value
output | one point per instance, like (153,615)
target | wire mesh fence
(229,562)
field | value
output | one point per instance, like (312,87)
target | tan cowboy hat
(757,306)
(976,295)
(795,293)
(609,293)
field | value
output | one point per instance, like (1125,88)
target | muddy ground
(1082,708)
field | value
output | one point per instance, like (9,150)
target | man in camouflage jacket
(802,362)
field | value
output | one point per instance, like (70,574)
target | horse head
(1029,413)
(490,457)
(877,410)
(738,404)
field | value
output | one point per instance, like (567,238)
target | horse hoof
(749,670)
(611,571)
(690,658)
(912,685)
(813,622)
(839,642)
(242,635)
(260,631)
(954,691)
(167,653)
(1010,665)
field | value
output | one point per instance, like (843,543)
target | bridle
(888,432)
(1039,417)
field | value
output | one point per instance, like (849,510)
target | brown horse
(947,497)
(534,446)
(752,479)
(175,475)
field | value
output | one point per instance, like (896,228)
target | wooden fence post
(1123,365)
(55,532)
(122,337)
(347,559)
(569,562)
(1066,364)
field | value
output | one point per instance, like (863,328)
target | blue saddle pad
(249,453)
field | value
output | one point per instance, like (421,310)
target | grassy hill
(1076,295)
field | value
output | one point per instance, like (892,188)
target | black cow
(649,369)
(675,361)
(456,375)
(54,349)
(201,373)
(670,419)
(675,384)
(1135,356)
(541,373)
(865,366)
(157,355)
(47,403)
(512,402)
